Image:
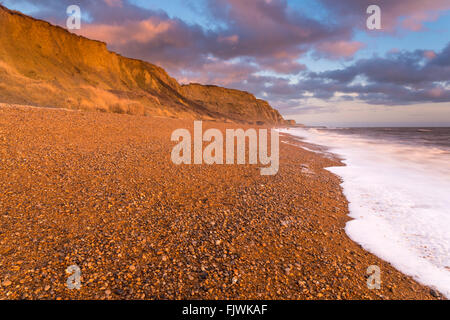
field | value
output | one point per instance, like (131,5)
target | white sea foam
(399,198)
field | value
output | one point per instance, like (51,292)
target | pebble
(6,283)
(106,197)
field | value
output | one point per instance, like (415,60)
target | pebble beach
(99,191)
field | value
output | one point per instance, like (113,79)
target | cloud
(143,31)
(396,79)
(219,72)
(338,49)
(267,33)
(402,68)
(399,78)
(114,3)
(411,14)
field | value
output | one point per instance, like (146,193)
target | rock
(291,122)
(435,293)
(6,283)
(231,101)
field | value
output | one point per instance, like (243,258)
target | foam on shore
(399,200)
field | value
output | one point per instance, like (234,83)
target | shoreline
(380,222)
(99,191)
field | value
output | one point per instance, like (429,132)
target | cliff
(237,105)
(45,65)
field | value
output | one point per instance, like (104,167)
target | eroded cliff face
(47,66)
(237,105)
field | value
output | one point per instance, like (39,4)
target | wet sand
(100,191)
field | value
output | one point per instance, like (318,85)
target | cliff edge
(47,66)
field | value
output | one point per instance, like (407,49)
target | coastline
(394,219)
(98,190)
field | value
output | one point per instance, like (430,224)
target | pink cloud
(114,3)
(218,72)
(119,35)
(339,49)
(429,54)
(414,22)
(411,14)
(436,92)
(234,39)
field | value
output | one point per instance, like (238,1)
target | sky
(313,60)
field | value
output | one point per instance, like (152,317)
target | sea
(397,181)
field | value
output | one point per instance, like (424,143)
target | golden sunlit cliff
(47,66)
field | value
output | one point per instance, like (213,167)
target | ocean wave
(398,195)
